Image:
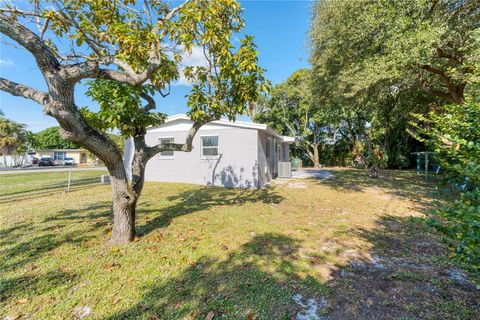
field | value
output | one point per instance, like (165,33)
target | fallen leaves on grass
(82,312)
(111,266)
(210,315)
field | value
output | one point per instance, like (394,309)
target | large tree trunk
(124,203)
(74,128)
(316,160)
(123,230)
(312,152)
(125,197)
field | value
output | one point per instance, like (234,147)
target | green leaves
(50,139)
(360,45)
(121,108)
(13,135)
(455,137)
(150,37)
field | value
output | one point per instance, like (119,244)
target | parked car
(68,162)
(45,162)
(34,160)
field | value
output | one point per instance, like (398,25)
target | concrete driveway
(312,174)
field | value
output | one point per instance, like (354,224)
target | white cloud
(196,58)
(6,62)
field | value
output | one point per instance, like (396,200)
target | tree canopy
(50,139)
(131,51)
(362,44)
(13,136)
(290,109)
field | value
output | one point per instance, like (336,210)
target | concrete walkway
(312,174)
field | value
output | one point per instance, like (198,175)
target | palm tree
(12,136)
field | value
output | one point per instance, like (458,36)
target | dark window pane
(166,153)
(210,151)
(210,141)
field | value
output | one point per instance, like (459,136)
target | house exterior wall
(268,167)
(236,166)
(264,164)
(75,154)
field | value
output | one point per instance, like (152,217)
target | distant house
(58,155)
(225,153)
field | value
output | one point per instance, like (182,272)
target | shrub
(455,137)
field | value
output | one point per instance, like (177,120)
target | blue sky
(280,29)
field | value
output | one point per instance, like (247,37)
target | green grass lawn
(14,186)
(347,243)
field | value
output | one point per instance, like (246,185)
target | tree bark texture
(59,103)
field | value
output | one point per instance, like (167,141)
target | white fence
(16,160)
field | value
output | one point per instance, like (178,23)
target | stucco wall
(236,165)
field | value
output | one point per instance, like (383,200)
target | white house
(225,153)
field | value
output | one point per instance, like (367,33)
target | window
(267,147)
(285,152)
(59,155)
(166,154)
(210,146)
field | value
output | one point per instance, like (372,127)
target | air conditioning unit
(284,170)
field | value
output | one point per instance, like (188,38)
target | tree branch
(434,70)
(44,56)
(185,147)
(150,102)
(92,69)
(20,90)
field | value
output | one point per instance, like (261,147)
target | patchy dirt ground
(404,278)
(405,274)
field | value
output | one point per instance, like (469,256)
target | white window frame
(160,156)
(201,147)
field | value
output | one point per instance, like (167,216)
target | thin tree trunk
(373,169)
(316,161)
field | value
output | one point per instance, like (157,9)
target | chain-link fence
(29,184)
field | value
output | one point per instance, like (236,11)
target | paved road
(48,169)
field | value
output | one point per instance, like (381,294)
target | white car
(68,162)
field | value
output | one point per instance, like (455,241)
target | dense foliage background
(389,78)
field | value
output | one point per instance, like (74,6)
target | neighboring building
(79,155)
(225,153)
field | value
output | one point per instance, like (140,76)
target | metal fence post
(69,179)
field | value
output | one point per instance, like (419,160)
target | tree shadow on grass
(97,218)
(17,250)
(203,198)
(182,203)
(256,282)
(404,275)
(35,283)
(401,183)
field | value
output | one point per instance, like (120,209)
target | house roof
(237,124)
